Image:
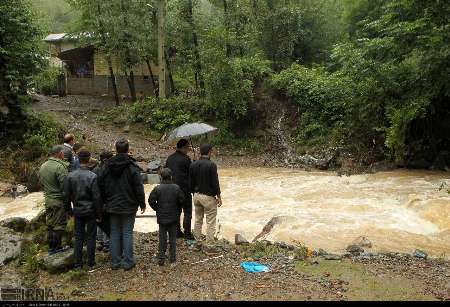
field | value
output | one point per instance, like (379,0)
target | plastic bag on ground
(254,267)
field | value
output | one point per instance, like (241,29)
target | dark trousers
(54,239)
(170,229)
(85,228)
(187,214)
(56,221)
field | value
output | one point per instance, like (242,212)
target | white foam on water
(397,210)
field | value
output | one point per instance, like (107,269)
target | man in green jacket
(52,175)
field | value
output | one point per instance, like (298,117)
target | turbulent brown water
(398,211)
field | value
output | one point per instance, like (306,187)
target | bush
(163,114)
(46,82)
(157,114)
(21,158)
(230,84)
(42,133)
(225,137)
(321,98)
(28,259)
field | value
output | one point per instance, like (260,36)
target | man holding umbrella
(179,163)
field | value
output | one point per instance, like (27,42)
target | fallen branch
(207,259)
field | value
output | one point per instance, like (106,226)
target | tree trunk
(161,48)
(198,64)
(227,27)
(130,81)
(169,72)
(152,77)
(108,57)
(113,79)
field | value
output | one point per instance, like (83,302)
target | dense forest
(368,77)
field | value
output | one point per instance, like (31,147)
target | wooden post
(161,48)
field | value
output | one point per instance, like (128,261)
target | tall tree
(20,58)
(162,48)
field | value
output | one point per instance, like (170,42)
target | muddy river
(398,211)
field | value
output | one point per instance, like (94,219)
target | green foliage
(301,252)
(156,114)
(227,139)
(20,52)
(230,85)
(46,82)
(42,133)
(259,250)
(321,98)
(75,275)
(389,76)
(28,259)
(163,114)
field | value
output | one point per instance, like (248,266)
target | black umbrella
(189,130)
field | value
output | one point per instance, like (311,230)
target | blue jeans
(121,240)
(85,227)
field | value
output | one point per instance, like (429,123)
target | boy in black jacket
(82,190)
(166,199)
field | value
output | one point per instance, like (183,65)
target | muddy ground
(366,277)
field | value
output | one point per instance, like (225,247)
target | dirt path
(76,114)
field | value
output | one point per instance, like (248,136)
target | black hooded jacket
(166,199)
(121,185)
(179,164)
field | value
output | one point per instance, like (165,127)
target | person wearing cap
(165,199)
(82,191)
(204,183)
(52,175)
(179,163)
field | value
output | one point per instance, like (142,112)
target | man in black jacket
(102,236)
(165,199)
(205,185)
(179,163)
(81,189)
(122,191)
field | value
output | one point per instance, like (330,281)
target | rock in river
(10,245)
(332,257)
(420,254)
(354,249)
(16,224)
(362,242)
(239,239)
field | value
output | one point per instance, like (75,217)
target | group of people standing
(104,196)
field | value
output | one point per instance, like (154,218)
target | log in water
(398,211)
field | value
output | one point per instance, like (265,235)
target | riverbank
(197,276)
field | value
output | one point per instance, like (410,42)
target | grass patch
(75,275)
(364,285)
(28,259)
